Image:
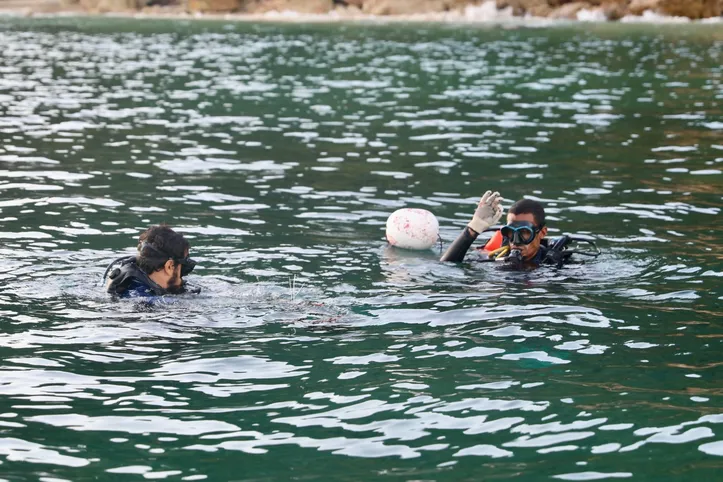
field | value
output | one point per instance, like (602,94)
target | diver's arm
(487,213)
(458,249)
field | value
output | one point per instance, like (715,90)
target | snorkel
(515,258)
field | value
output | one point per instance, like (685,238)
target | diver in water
(521,242)
(158,269)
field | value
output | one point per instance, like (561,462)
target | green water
(314,351)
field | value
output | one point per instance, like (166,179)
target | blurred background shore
(406,10)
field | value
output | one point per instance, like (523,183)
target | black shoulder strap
(123,275)
(556,251)
(559,251)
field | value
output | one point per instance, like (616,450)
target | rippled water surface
(315,352)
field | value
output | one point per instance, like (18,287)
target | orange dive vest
(495,242)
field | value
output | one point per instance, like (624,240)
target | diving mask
(187,265)
(520,232)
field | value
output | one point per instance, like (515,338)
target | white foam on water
(649,16)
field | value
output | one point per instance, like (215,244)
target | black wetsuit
(459,247)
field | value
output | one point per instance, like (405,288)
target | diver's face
(169,277)
(528,251)
(175,281)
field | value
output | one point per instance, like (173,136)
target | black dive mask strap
(187,264)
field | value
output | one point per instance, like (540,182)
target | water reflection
(279,152)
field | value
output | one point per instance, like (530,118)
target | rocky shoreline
(600,10)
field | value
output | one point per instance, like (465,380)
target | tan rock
(109,5)
(615,10)
(540,10)
(301,6)
(212,5)
(409,7)
(694,9)
(502,4)
(637,7)
(522,7)
(545,8)
(347,11)
(569,10)
(559,3)
(690,8)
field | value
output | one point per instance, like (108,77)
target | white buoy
(412,229)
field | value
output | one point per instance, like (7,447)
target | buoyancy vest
(127,280)
(495,242)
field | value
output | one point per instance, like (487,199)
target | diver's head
(163,256)
(525,227)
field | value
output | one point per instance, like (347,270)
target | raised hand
(488,212)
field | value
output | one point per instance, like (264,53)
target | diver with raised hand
(157,270)
(521,243)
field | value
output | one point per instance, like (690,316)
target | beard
(175,285)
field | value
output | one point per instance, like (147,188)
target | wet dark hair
(158,244)
(528,206)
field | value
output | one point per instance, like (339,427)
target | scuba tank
(123,277)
